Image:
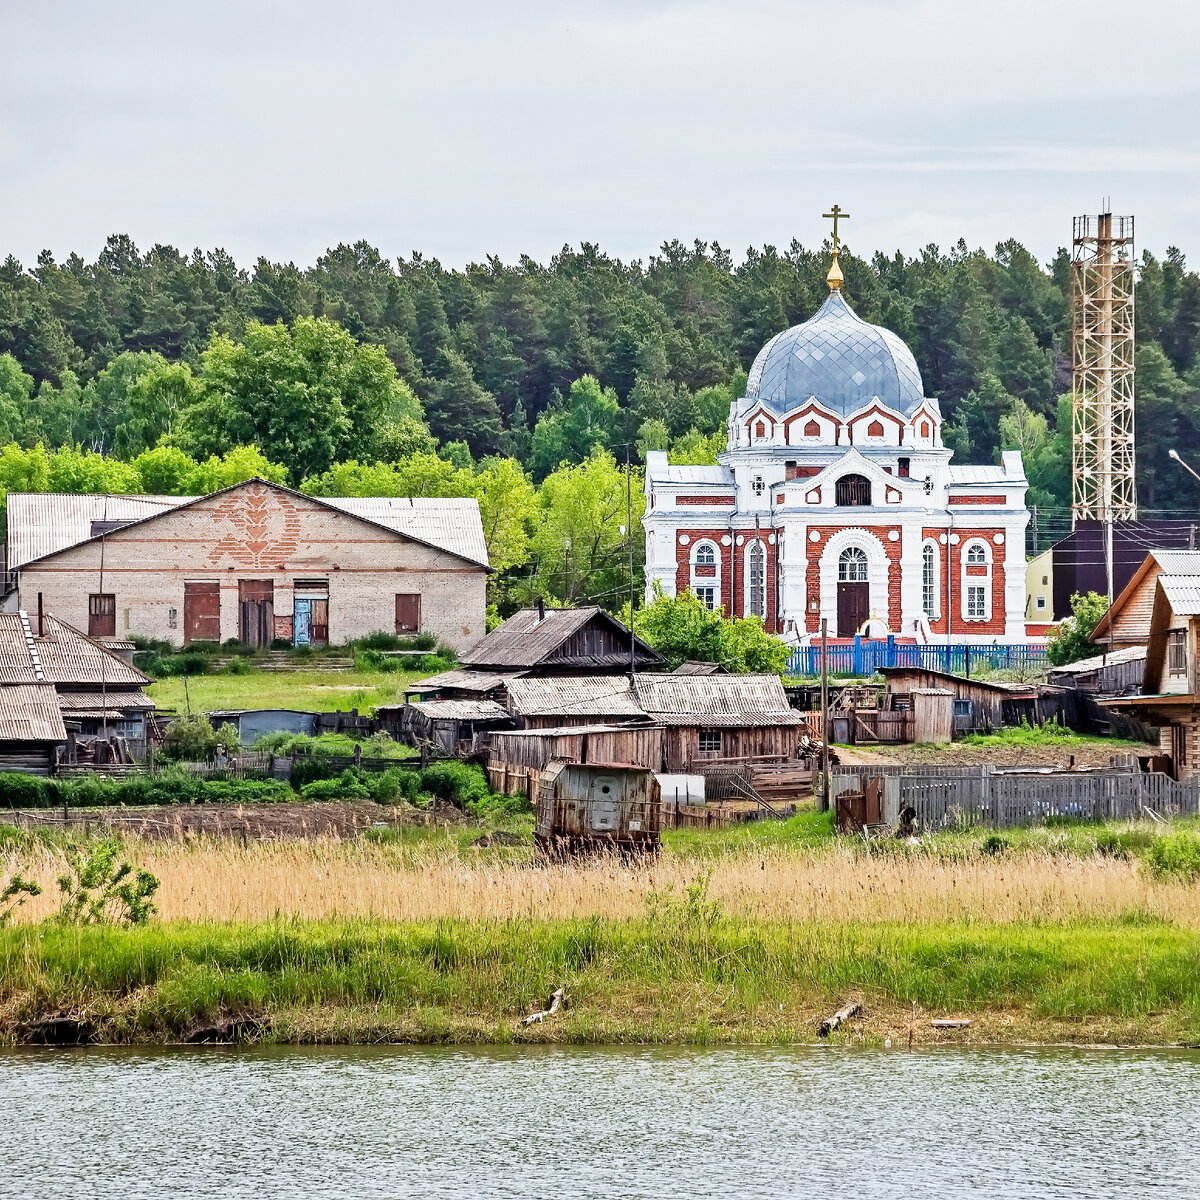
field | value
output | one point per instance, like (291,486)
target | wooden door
(320,621)
(408,612)
(256,611)
(102,614)
(202,611)
(853,607)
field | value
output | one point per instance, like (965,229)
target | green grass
(1051,734)
(687,974)
(314,691)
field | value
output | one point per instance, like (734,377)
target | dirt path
(1087,753)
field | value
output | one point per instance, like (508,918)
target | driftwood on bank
(950,1023)
(843,1014)
(552,1006)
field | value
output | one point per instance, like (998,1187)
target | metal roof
(838,358)
(1183,592)
(1177,562)
(463,681)
(41,523)
(663,472)
(573,696)
(29,712)
(527,639)
(1097,662)
(715,699)
(692,667)
(89,701)
(461,710)
(449,522)
(986,473)
(63,655)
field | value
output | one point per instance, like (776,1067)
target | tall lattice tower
(1102,358)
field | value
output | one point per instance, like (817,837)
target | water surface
(401,1121)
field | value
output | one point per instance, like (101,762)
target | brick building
(835,498)
(256,561)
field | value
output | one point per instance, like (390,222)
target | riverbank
(684,973)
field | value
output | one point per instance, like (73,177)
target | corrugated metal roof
(87,701)
(985,473)
(692,667)
(466,681)
(41,523)
(1183,592)
(573,695)
(29,712)
(450,522)
(1082,665)
(715,699)
(528,639)
(720,476)
(63,655)
(1177,562)
(461,710)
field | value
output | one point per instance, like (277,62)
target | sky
(461,129)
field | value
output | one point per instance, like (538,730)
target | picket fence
(864,656)
(948,797)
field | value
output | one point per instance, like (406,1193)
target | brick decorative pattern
(968,500)
(700,501)
(812,571)
(969,630)
(261,528)
(683,563)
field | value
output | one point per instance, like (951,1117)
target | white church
(836,499)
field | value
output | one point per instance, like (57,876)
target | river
(340,1123)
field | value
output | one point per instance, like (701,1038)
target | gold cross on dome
(836,215)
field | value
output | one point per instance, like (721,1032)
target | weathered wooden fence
(960,797)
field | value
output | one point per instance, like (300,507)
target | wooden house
(597,805)
(558,641)
(1170,696)
(1127,622)
(979,705)
(32,732)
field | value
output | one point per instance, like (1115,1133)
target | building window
(756,580)
(705,555)
(875,429)
(852,565)
(903,465)
(812,429)
(1041,602)
(710,741)
(929,589)
(976,602)
(976,555)
(1177,652)
(853,491)
(707,595)
(102,614)
(924,429)
(757,486)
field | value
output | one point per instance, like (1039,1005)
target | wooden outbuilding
(979,705)
(31,728)
(595,806)
(1115,674)
(518,756)
(455,727)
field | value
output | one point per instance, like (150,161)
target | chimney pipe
(541,608)
(41,626)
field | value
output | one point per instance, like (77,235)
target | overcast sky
(461,128)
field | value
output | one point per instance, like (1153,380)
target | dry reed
(212,880)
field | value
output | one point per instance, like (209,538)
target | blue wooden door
(302,622)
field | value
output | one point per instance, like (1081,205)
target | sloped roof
(660,470)
(1183,592)
(94,701)
(985,473)
(29,712)
(729,700)
(573,696)
(461,710)
(63,656)
(692,667)
(463,681)
(43,523)
(1176,563)
(1081,666)
(527,639)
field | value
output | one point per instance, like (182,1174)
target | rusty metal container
(593,806)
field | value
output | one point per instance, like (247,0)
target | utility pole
(824,714)
(629,539)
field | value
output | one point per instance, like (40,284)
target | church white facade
(836,499)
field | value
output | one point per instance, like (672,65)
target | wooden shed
(978,704)
(518,756)
(31,728)
(451,726)
(593,806)
(1115,674)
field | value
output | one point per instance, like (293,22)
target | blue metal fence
(864,656)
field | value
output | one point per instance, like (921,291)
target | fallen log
(950,1023)
(552,1007)
(828,1025)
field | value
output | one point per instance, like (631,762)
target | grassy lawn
(312,690)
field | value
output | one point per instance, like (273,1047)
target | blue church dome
(840,359)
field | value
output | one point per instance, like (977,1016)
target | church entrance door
(854,592)
(853,607)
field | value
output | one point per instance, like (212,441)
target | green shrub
(395,784)
(309,768)
(26,791)
(1174,856)
(238,666)
(994,845)
(380,640)
(189,737)
(349,785)
(455,781)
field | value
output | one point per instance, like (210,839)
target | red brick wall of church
(683,561)
(970,630)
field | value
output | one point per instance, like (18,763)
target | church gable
(875,425)
(812,425)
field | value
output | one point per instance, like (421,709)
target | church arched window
(929,588)
(705,555)
(756,580)
(852,565)
(976,555)
(853,491)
